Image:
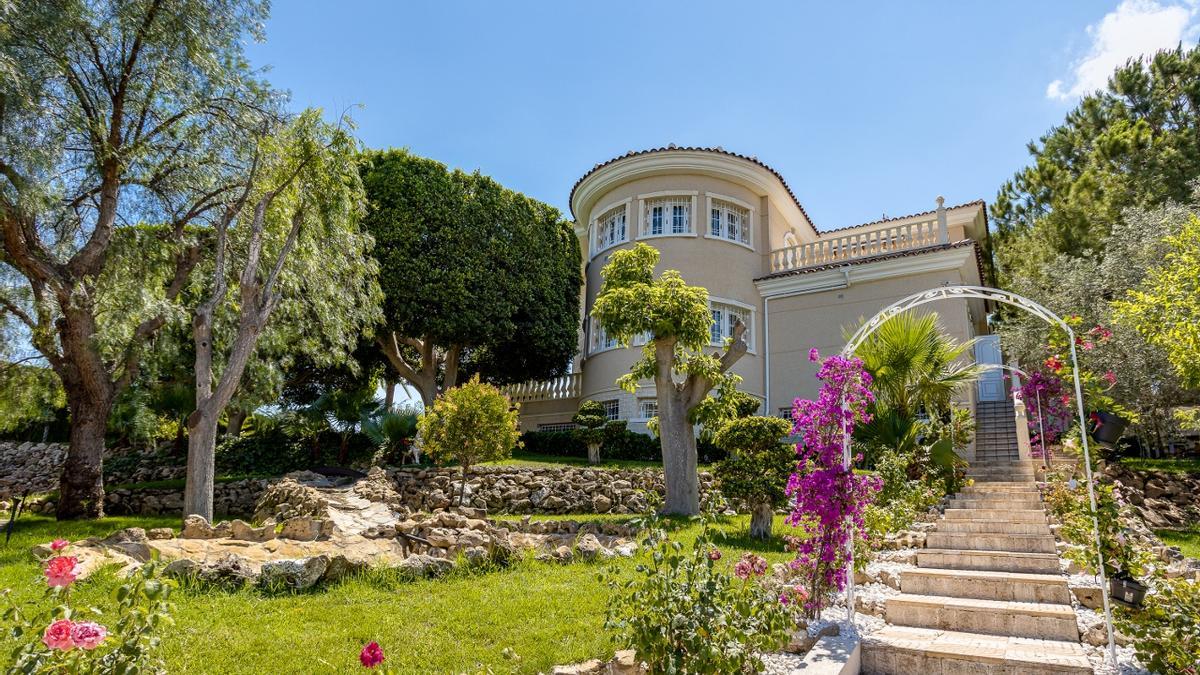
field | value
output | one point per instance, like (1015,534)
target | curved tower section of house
(714,216)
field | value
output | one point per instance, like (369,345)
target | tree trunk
(236,419)
(389,395)
(761,519)
(201,465)
(593,453)
(81,486)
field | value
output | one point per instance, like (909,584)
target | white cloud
(1136,28)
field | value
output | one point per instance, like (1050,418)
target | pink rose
(814,355)
(58,544)
(60,570)
(88,635)
(714,554)
(371,655)
(58,635)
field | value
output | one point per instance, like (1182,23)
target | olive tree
(469,424)
(757,468)
(676,318)
(114,113)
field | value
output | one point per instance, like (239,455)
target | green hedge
(276,453)
(619,443)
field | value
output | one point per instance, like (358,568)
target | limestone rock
(160,533)
(1091,597)
(131,541)
(243,531)
(301,528)
(590,548)
(297,575)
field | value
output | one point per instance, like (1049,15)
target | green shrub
(683,612)
(553,443)
(471,423)
(1166,630)
(757,468)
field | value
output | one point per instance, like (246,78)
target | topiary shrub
(592,429)
(471,423)
(757,468)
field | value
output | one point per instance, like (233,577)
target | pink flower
(1054,363)
(60,570)
(814,355)
(714,553)
(58,544)
(371,655)
(88,635)
(58,635)
(750,565)
(1110,377)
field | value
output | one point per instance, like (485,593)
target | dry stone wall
(512,490)
(1164,500)
(30,467)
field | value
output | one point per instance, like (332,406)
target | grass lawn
(1168,465)
(1187,540)
(547,614)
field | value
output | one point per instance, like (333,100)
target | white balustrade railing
(562,387)
(832,249)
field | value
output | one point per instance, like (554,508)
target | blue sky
(865,108)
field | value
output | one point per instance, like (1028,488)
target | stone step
(987,541)
(985,585)
(994,504)
(992,617)
(998,561)
(992,526)
(904,650)
(1011,515)
(1001,488)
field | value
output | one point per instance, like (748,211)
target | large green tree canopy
(1137,143)
(475,276)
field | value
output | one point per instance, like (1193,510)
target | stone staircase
(995,432)
(987,596)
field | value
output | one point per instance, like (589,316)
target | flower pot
(1126,590)
(1109,428)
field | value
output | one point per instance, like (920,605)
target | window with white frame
(610,228)
(612,409)
(729,221)
(647,408)
(667,215)
(642,338)
(557,426)
(601,340)
(725,317)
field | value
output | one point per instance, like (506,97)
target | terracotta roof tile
(673,148)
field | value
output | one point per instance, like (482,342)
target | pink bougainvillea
(1047,408)
(828,498)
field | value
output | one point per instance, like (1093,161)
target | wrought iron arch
(1031,307)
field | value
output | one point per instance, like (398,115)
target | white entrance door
(991,383)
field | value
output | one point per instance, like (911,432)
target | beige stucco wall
(824,319)
(726,269)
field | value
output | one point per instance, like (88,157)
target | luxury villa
(730,223)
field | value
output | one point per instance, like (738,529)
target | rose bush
(122,640)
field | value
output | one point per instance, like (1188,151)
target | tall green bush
(469,424)
(591,420)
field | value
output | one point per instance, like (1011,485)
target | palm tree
(916,369)
(915,366)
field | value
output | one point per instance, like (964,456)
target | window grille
(667,215)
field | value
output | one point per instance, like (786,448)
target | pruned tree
(114,113)
(675,315)
(757,468)
(591,422)
(291,233)
(476,278)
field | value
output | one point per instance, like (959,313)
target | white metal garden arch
(1020,302)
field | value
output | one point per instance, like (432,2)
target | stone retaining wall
(30,467)
(515,490)
(1164,500)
